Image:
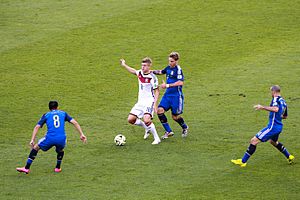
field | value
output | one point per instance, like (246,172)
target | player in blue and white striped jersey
(278,111)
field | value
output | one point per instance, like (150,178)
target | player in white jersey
(147,101)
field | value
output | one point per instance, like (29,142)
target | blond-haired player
(147,100)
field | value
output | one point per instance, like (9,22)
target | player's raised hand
(122,62)
(258,107)
(163,85)
(83,138)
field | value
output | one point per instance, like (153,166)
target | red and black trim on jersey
(144,79)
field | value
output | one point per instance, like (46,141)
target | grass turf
(232,51)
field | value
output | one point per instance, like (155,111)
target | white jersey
(147,84)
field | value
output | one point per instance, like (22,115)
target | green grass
(70,51)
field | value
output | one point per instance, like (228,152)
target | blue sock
(164,121)
(283,150)
(167,127)
(245,157)
(251,149)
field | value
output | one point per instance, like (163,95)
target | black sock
(180,121)
(282,149)
(31,157)
(60,156)
(164,121)
(251,149)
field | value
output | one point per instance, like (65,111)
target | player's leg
(164,106)
(30,159)
(60,154)
(274,141)
(43,144)
(177,110)
(181,122)
(134,115)
(249,152)
(251,149)
(151,127)
(60,145)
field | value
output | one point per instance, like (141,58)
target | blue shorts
(173,102)
(46,143)
(269,133)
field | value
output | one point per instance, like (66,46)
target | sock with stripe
(283,150)
(181,122)
(31,158)
(164,121)
(251,149)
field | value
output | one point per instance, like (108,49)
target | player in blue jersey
(173,98)
(55,136)
(278,111)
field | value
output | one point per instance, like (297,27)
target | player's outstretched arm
(267,108)
(129,69)
(157,72)
(35,131)
(78,128)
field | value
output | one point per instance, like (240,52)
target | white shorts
(140,109)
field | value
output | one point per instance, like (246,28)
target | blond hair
(174,55)
(147,60)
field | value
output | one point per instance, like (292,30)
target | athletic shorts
(46,143)
(140,109)
(175,103)
(269,133)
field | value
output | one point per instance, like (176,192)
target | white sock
(154,132)
(139,122)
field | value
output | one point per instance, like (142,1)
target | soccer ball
(120,140)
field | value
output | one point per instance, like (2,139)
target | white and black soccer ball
(120,140)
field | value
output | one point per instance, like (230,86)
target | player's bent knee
(160,110)
(175,117)
(273,143)
(131,119)
(147,120)
(254,140)
(36,147)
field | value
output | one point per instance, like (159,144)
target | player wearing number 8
(55,136)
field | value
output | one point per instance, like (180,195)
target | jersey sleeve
(180,76)
(164,71)
(68,118)
(137,72)
(42,121)
(154,82)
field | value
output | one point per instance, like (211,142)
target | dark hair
(53,105)
(275,88)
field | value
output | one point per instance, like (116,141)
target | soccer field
(231,53)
